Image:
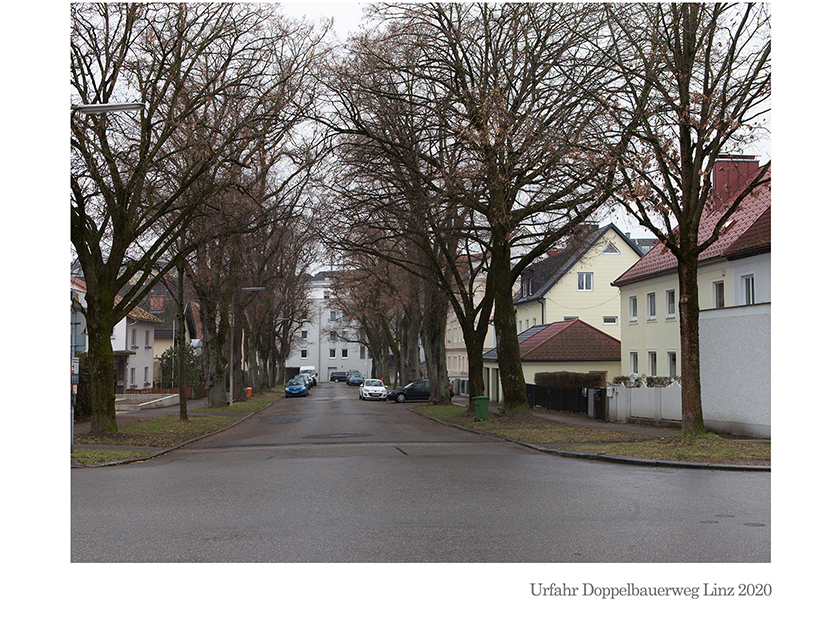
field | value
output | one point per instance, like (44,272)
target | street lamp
(232,348)
(108,107)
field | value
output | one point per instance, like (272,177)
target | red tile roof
(135,313)
(569,341)
(737,233)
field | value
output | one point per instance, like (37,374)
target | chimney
(729,176)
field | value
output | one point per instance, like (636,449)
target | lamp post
(108,107)
(94,109)
(232,346)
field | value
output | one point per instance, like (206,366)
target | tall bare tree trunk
(690,347)
(181,344)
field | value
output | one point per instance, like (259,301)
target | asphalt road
(331,479)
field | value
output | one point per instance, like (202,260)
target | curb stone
(634,461)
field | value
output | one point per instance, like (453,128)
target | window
(332,315)
(670,304)
(585,281)
(611,249)
(134,340)
(332,353)
(332,337)
(303,334)
(147,343)
(748,289)
(132,376)
(527,285)
(326,295)
(651,299)
(719,294)
(634,363)
(145,376)
(652,363)
(345,353)
(632,308)
(672,364)
(362,352)
(609,321)
(305,354)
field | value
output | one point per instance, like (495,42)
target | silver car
(373,389)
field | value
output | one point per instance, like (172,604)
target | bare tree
(213,77)
(510,98)
(706,72)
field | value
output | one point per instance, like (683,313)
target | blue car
(296,387)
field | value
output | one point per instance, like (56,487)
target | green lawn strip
(91,457)
(161,431)
(534,430)
(702,449)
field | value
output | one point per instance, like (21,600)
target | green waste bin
(480,405)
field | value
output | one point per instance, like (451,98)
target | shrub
(640,380)
(568,379)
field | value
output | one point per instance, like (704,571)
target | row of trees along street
(437,153)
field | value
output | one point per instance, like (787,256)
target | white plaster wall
(735,369)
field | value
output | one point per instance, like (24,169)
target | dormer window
(527,285)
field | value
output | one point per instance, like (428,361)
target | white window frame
(332,354)
(672,362)
(585,281)
(305,354)
(345,353)
(718,290)
(633,362)
(633,309)
(748,289)
(651,305)
(670,303)
(652,363)
(610,321)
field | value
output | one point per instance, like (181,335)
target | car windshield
(295,382)
(372,382)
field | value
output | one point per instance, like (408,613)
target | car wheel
(400,398)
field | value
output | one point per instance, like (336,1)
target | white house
(133,342)
(324,340)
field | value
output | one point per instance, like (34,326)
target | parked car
(414,391)
(308,379)
(355,378)
(338,376)
(311,372)
(373,389)
(296,387)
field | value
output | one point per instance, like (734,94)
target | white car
(373,389)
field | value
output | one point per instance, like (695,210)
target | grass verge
(531,429)
(165,431)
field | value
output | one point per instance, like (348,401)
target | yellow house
(735,271)
(575,282)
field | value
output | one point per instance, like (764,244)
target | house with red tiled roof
(571,345)
(649,289)
(734,280)
(132,342)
